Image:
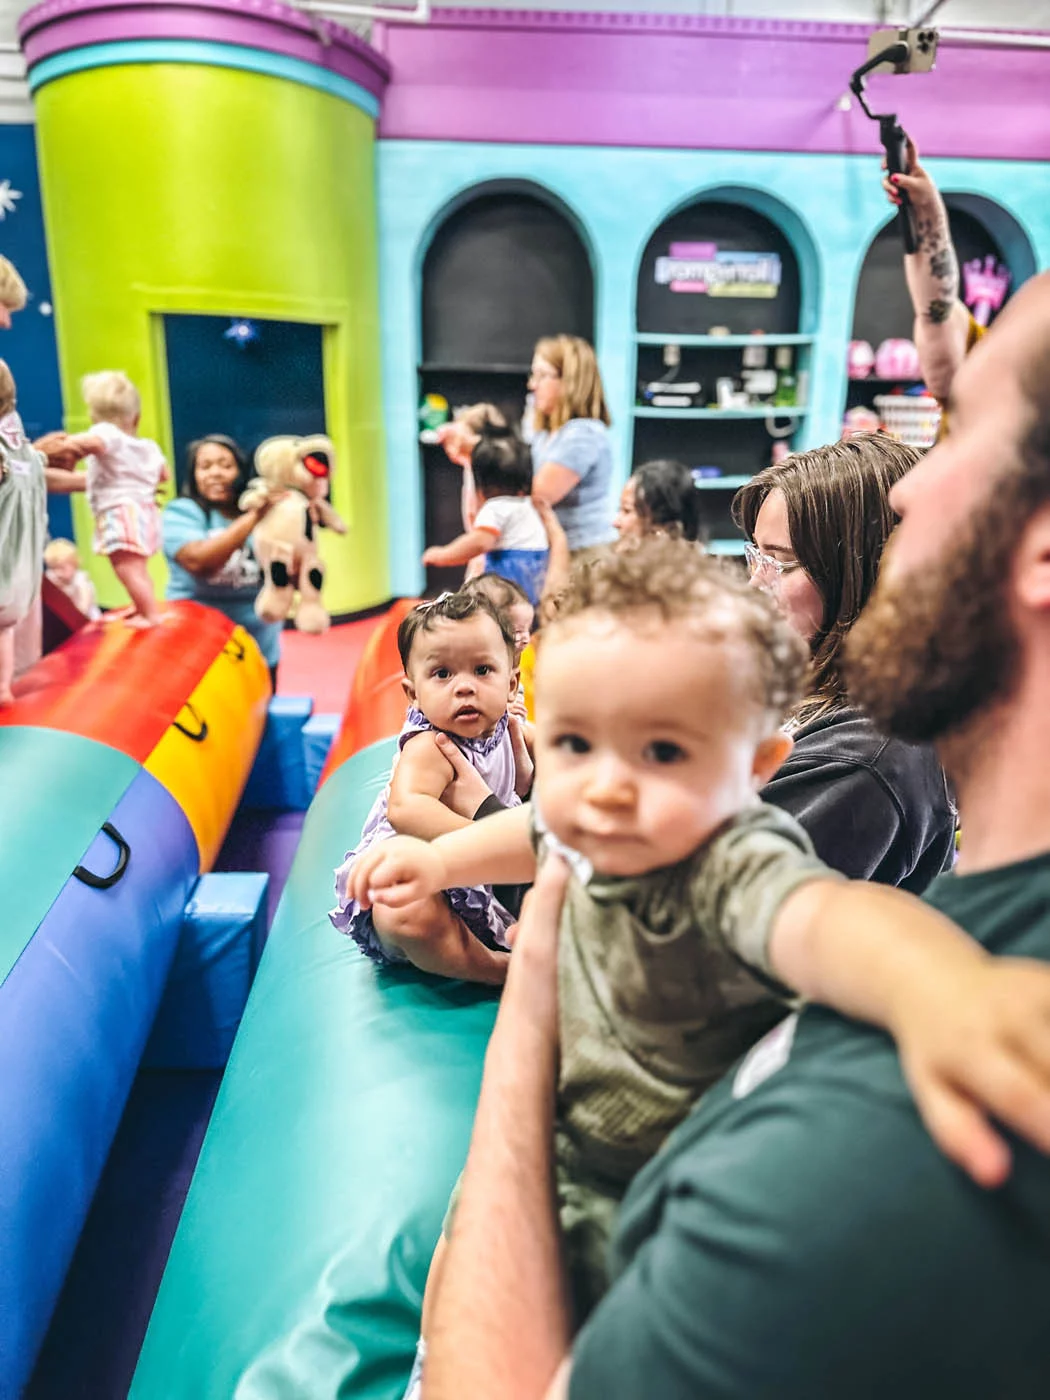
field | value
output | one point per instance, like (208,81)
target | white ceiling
(970,14)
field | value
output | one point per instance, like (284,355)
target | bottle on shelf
(786,395)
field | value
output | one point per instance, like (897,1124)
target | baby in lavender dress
(460,674)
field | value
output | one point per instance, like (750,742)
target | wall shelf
(522,371)
(714,413)
(714,342)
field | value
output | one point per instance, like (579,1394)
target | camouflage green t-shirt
(663,983)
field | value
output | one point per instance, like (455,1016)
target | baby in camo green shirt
(23,527)
(662,684)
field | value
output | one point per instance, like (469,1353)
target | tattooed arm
(942,322)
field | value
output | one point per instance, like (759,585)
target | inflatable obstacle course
(121,765)
(342,1123)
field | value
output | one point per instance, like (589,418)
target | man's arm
(942,322)
(501,1317)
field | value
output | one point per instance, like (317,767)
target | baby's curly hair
(450,607)
(674,580)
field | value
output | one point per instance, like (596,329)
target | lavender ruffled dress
(477,906)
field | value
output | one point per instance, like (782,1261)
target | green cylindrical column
(193,186)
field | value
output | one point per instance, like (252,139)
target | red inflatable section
(120,686)
(376,707)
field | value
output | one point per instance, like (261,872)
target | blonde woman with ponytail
(571,451)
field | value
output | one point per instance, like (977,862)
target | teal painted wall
(830,206)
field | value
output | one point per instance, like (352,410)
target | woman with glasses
(571,452)
(817,523)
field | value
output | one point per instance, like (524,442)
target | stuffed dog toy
(292,474)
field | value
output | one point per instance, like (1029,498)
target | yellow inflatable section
(206,755)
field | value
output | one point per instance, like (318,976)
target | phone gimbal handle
(895,141)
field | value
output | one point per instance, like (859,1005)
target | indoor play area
(302,280)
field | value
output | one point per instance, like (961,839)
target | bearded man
(799,1236)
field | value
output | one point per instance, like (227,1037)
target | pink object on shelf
(897,359)
(860,359)
(860,420)
(986,285)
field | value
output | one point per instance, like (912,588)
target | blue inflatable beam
(75,1013)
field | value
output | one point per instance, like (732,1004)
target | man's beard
(934,649)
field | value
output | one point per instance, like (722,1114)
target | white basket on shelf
(910,418)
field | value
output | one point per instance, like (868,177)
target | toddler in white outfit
(507,532)
(123,473)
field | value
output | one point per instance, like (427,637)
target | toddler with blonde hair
(62,567)
(123,473)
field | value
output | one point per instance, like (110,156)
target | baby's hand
(468,790)
(395,873)
(165,473)
(980,1048)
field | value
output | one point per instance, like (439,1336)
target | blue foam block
(223,931)
(318,736)
(278,780)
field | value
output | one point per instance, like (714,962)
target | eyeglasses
(758,563)
(537,374)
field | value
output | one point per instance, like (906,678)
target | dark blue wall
(29,347)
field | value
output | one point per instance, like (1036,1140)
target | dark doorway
(264,381)
(503,270)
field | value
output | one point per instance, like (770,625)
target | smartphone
(922,49)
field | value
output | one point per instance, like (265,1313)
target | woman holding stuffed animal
(208,541)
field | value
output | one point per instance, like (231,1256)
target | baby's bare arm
(421,776)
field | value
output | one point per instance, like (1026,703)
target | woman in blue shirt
(207,541)
(571,452)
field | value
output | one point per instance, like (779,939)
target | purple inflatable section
(59,25)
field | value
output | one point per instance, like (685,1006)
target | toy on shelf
(860,420)
(860,359)
(985,286)
(897,359)
(293,474)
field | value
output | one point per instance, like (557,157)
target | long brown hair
(582,394)
(839,519)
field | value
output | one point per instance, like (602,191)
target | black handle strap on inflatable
(235,648)
(199,734)
(106,882)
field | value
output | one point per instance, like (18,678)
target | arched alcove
(980,230)
(883,308)
(506,265)
(721,291)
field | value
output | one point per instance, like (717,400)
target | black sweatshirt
(875,808)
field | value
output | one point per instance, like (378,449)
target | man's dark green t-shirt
(800,1236)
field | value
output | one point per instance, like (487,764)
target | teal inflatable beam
(342,1123)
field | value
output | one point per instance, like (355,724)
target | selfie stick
(892,135)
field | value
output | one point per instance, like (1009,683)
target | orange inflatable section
(376,707)
(120,686)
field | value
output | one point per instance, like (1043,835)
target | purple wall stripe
(60,25)
(681,81)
